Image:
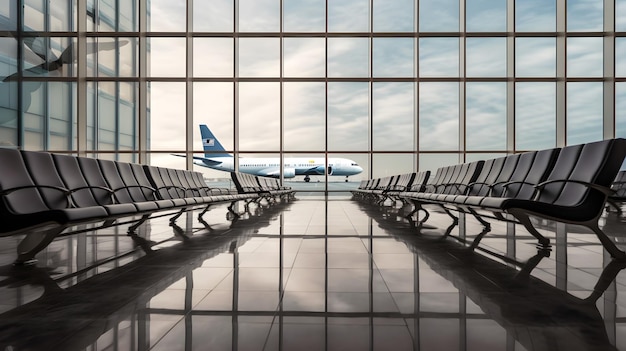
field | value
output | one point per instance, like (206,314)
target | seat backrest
(488,175)
(142,179)
(130,181)
(541,163)
(43,171)
(619,185)
(419,181)
(509,168)
(172,183)
(596,163)
(404,182)
(114,180)
(72,176)
(14,174)
(154,175)
(90,168)
(461,176)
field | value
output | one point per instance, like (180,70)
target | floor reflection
(316,274)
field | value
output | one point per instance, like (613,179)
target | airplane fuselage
(293,166)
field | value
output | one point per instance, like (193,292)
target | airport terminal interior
(320,95)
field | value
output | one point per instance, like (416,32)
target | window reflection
(535,116)
(8,15)
(620,57)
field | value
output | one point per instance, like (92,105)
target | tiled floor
(313,274)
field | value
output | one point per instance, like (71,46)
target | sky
(391,105)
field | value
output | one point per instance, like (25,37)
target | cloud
(348,16)
(439,57)
(535,57)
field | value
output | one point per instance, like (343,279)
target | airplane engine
(289,173)
(319,170)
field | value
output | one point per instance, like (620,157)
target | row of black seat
(45,195)
(569,184)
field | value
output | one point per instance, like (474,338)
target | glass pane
(394,15)
(620,110)
(213,106)
(117,57)
(620,57)
(430,162)
(34,15)
(304,15)
(61,115)
(439,15)
(106,116)
(8,64)
(393,116)
(485,16)
(392,164)
(584,15)
(535,16)
(167,129)
(439,57)
(127,16)
(393,57)
(535,116)
(213,57)
(584,112)
(259,15)
(438,116)
(62,15)
(167,16)
(8,93)
(584,57)
(486,57)
(259,57)
(304,57)
(127,116)
(167,57)
(348,57)
(535,57)
(485,125)
(620,15)
(8,15)
(348,111)
(259,116)
(43,55)
(304,116)
(109,15)
(213,16)
(348,16)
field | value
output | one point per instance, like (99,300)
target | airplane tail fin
(212,146)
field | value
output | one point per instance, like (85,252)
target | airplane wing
(273,172)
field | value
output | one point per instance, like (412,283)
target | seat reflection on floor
(317,274)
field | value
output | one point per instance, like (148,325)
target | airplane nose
(359,169)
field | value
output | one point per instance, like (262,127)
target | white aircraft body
(215,157)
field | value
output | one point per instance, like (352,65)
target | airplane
(216,157)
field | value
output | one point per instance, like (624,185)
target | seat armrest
(604,190)
(64,191)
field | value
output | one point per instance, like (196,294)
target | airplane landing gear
(346,179)
(307,178)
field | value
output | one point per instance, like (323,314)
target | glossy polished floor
(316,274)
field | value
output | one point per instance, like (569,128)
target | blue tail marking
(212,146)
